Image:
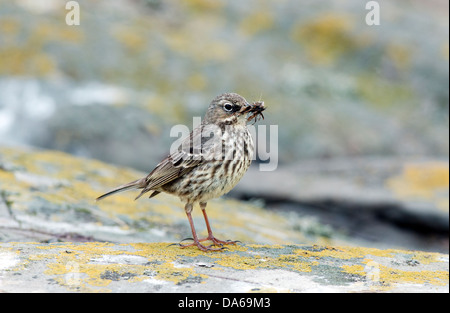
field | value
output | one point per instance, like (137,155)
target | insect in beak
(255,110)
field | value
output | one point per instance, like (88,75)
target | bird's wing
(193,151)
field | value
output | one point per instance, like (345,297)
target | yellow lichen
(128,36)
(427,257)
(256,22)
(204,5)
(401,55)
(93,266)
(260,260)
(9,27)
(74,267)
(327,37)
(197,81)
(6,176)
(344,253)
(388,276)
(423,181)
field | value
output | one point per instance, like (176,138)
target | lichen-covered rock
(158,267)
(56,238)
(50,195)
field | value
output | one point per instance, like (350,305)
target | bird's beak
(255,107)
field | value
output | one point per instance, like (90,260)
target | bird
(207,164)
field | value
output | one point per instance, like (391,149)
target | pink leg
(196,242)
(211,237)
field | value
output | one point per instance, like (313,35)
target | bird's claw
(198,245)
(189,238)
(215,242)
(201,247)
(218,242)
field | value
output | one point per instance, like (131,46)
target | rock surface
(56,238)
(158,267)
(50,196)
(399,201)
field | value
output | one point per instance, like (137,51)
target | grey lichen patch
(95,266)
(115,276)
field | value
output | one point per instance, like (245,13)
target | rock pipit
(208,163)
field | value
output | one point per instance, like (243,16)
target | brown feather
(132,185)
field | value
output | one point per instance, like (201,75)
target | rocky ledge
(56,238)
(159,267)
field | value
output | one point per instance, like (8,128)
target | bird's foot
(199,245)
(218,242)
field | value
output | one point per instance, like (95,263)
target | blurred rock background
(112,87)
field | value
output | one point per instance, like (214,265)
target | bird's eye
(228,107)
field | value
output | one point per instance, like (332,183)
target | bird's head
(232,109)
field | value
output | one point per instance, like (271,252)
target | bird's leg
(211,237)
(188,209)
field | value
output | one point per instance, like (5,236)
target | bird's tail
(133,185)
